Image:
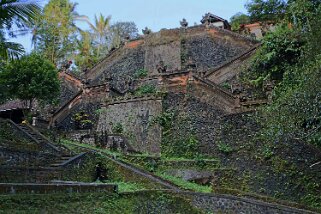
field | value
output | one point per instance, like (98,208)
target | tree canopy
(55,34)
(266,10)
(29,78)
(238,19)
(291,57)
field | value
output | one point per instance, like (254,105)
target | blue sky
(155,14)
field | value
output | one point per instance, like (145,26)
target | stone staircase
(60,161)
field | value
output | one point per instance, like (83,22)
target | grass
(69,143)
(187,159)
(94,203)
(129,187)
(185,184)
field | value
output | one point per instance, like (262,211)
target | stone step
(55,164)
(65,158)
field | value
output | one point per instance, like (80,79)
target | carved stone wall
(170,54)
(119,69)
(208,52)
(89,108)
(134,117)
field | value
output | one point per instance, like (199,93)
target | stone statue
(161,68)
(190,64)
(184,23)
(147,31)
(66,65)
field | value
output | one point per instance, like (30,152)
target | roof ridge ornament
(184,23)
(146,31)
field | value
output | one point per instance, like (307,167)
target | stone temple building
(189,72)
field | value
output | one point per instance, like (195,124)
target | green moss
(145,89)
(185,184)
(143,202)
(141,73)
(129,187)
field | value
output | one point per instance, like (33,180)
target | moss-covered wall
(133,119)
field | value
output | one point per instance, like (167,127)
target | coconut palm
(56,32)
(101,30)
(18,13)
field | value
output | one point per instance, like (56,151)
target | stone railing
(64,110)
(221,203)
(72,187)
(239,57)
(46,144)
(75,81)
(133,98)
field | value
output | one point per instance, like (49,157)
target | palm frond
(25,11)
(10,50)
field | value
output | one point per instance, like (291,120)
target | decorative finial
(146,31)
(184,23)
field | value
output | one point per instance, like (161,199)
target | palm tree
(19,13)
(56,32)
(101,30)
(9,50)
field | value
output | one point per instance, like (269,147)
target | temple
(190,71)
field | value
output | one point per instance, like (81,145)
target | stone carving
(147,31)
(66,65)
(236,88)
(161,68)
(206,20)
(268,88)
(190,64)
(184,23)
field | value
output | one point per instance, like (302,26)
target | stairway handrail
(34,139)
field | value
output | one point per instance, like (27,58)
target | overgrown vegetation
(29,78)
(175,145)
(117,128)
(185,184)
(82,120)
(290,60)
(151,202)
(141,73)
(145,89)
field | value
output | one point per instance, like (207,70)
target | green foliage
(180,146)
(238,19)
(267,152)
(279,50)
(121,31)
(31,77)
(100,30)
(86,57)
(82,120)
(82,203)
(145,89)
(266,10)
(296,111)
(141,73)
(165,120)
(185,184)
(117,128)
(175,145)
(55,34)
(291,57)
(224,148)
(15,14)
(226,85)
(129,187)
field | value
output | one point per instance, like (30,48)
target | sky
(154,14)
